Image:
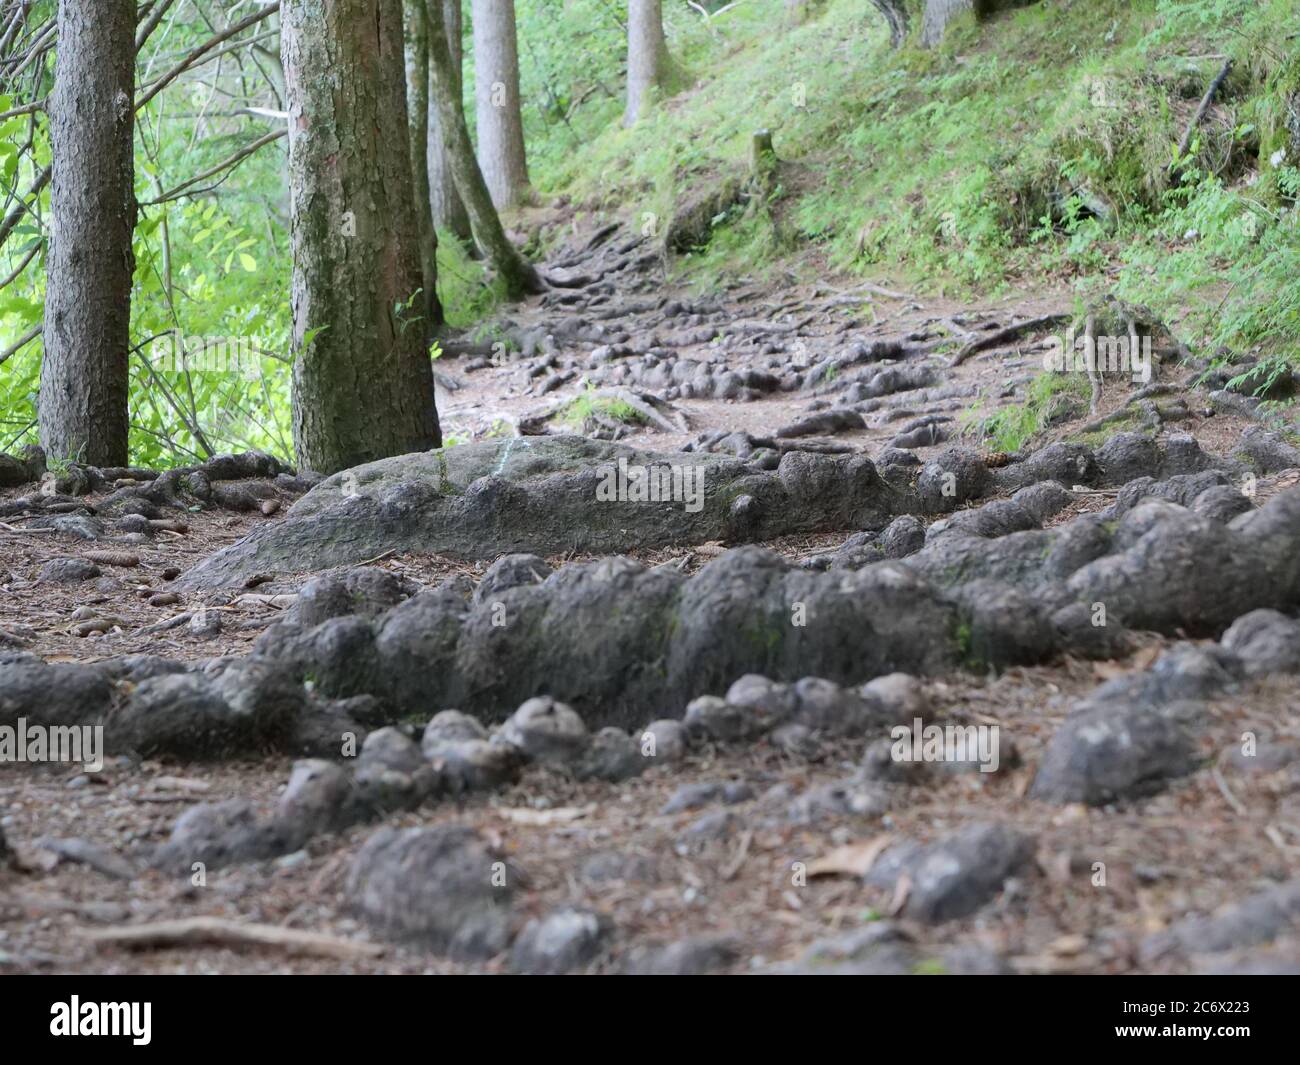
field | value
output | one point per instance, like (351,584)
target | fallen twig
(220,932)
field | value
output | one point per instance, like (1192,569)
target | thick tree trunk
(496,92)
(417,107)
(938,13)
(85,371)
(363,382)
(516,272)
(647,55)
(449,212)
(895,15)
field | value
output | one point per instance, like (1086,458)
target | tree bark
(449,212)
(417,108)
(496,92)
(938,13)
(363,382)
(515,271)
(647,55)
(895,15)
(85,372)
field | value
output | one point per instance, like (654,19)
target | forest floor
(716,873)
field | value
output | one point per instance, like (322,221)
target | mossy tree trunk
(85,372)
(515,271)
(449,212)
(362,379)
(417,105)
(894,13)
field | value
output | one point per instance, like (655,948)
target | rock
(450,726)
(958,874)
(546,731)
(664,741)
(1266,451)
(854,796)
(441,887)
(216,835)
(763,703)
(83,852)
(67,571)
(901,697)
(391,772)
(1115,751)
(952,478)
(476,765)
(511,571)
(81,526)
(184,714)
(487,499)
(824,706)
(903,536)
(319,798)
(367,591)
(563,941)
(717,719)
(684,957)
(1266,641)
(1257,919)
(692,797)
(1221,503)
(205,624)
(613,756)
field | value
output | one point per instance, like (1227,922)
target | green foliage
(583,407)
(1009,429)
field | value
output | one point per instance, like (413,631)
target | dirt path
(742,853)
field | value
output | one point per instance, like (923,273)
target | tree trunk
(647,55)
(895,14)
(417,107)
(449,212)
(85,373)
(515,271)
(496,91)
(363,382)
(938,13)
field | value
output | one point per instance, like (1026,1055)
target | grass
(583,408)
(1009,429)
(1039,145)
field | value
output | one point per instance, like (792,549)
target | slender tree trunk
(449,212)
(363,382)
(895,14)
(417,106)
(516,272)
(85,372)
(496,91)
(647,55)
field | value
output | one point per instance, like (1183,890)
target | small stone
(442,887)
(450,726)
(664,741)
(561,942)
(547,731)
(67,571)
(612,755)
